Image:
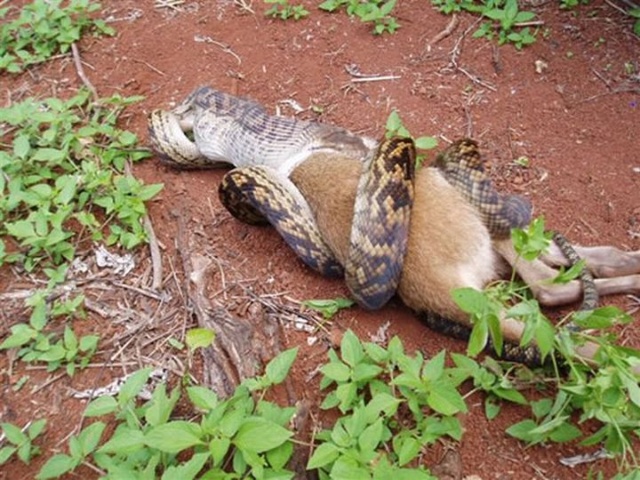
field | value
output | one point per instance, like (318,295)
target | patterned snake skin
(378,236)
(228,130)
(463,168)
(265,149)
(530,354)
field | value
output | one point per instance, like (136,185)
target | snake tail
(529,355)
(590,297)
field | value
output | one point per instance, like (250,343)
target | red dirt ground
(577,121)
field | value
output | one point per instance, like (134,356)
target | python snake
(264,149)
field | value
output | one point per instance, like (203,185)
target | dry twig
(77,61)
(448,30)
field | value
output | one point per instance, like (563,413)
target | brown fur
(449,247)
(448,244)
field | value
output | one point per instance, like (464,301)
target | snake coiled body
(228,130)
(464,168)
(265,149)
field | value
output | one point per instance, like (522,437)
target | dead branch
(77,61)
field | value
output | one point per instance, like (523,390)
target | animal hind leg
(603,261)
(537,275)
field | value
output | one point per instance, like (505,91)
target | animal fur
(449,247)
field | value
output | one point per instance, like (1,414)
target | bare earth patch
(567,104)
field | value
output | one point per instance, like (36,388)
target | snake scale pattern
(264,149)
(228,130)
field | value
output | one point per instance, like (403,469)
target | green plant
(392,406)
(35,344)
(635,13)
(239,437)
(328,308)
(45,28)
(570,4)
(21,442)
(375,11)
(504,15)
(62,180)
(609,393)
(395,127)
(282,9)
(383,395)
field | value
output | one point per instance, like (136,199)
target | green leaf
(52,155)
(149,191)
(600,318)
(161,406)
(376,352)
(56,466)
(336,371)
(345,468)
(68,191)
(446,400)
(633,390)
(89,343)
(173,437)
(470,300)
(134,385)
(387,7)
(124,441)
(393,123)
(371,436)
(382,402)
(328,308)
(522,430)
(20,229)
(323,455)
(565,433)
(5,454)
(364,372)
(523,17)
(199,338)
(21,334)
(36,428)
(409,450)
(347,394)
(511,395)
(187,470)
(478,339)
(328,5)
(90,436)
(351,349)
(426,143)
(70,339)
(280,456)
(101,406)
(278,368)
(219,448)
(14,434)
(21,146)
(434,368)
(203,398)
(259,435)
(491,408)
